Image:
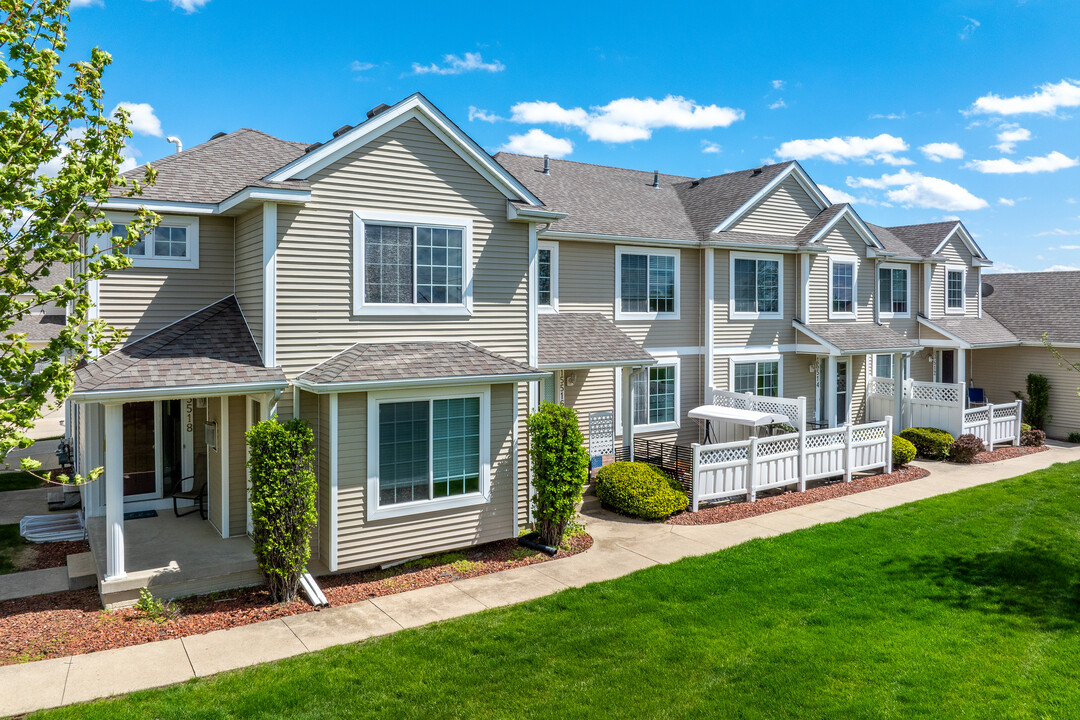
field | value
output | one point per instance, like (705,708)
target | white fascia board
(531,214)
(414,106)
(622,240)
(942,331)
(856,223)
(592,365)
(801,177)
(833,350)
(965,237)
(366,385)
(280,195)
(165,206)
(175,393)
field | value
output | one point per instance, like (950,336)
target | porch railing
(994,424)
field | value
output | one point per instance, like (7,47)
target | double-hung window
(412,264)
(655,397)
(892,292)
(173,243)
(760,377)
(646,284)
(841,288)
(755,286)
(954,290)
(426,453)
(883,366)
(547,276)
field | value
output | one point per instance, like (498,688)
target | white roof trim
(176,393)
(281,195)
(800,175)
(964,344)
(967,239)
(365,385)
(833,349)
(531,214)
(414,106)
(856,223)
(604,364)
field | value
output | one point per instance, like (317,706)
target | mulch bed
(54,554)
(740,510)
(73,623)
(1008,453)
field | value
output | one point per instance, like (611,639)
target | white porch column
(961,369)
(627,409)
(710,325)
(114,492)
(830,391)
(898,391)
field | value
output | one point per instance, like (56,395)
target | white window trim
(661,361)
(892,368)
(552,247)
(963,289)
(854,263)
(747,359)
(621,250)
(374,399)
(877,296)
(361,307)
(191,222)
(732,314)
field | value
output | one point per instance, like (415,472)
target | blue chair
(976,397)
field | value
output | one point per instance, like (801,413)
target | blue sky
(915,111)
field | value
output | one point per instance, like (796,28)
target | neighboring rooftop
(1029,304)
(584,339)
(39,327)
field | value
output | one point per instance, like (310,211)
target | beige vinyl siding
(406,170)
(921,367)
(784,212)
(215,511)
(763,332)
(957,254)
(362,543)
(249,271)
(843,243)
(593,391)
(237,466)
(857,374)
(1003,371)
(147,299)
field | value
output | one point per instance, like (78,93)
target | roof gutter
(366,385)
(176,393)
(599,364)
(259,194)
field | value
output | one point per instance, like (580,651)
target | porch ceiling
(575,340)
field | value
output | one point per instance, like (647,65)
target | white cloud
(188,6)
(1004,166)
(538,142)
(628,119)
(836,195)
(1009,135)
(1047,100)
(86,3)
(1060,268)
(454,65)
(1069,247)
(357,66)
(882,148)
(778,84)
(1008,202)
(1001,268)
(476,113)
(1057,232)
(711,147)
(939,151)
(970,28)
(142,118)
(888,116)
(778,105)
(916,190)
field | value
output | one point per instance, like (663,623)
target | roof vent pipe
(656,178)
(175,141)
(757,171)
(547,166)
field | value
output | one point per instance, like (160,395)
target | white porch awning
(736,416)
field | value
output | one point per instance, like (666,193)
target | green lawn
(20,480)
(10,544)
(961,606)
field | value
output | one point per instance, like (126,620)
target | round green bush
(965,449)
(640,490)
(930,443)
(903,451)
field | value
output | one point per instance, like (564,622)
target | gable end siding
(785,212)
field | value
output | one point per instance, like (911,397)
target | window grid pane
(170,241)
(745,377)
(955,288)
(841,393)
(885,295)
(543,276)
(768,286)
(403,452)
(843,287)
(138,249)
(388,264)
(635,283)
(745,285)
(455,446)
(661,283)
(900,291)
(661,395)
(768,379)
(438,265)
(883,366)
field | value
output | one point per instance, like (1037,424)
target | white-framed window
(174,243)
(547,276)
(955,290)
(428,451)
(893,291)
(756,286)
(883,366)
(843,392)
(646,284)
(409,264)
(760,375)
(842,282)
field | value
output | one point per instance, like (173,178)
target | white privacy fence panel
(994,424)
(749,466)
(936,405)
(601,433)
(880,398)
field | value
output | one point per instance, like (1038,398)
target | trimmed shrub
(640,490)
(283,494)
(930,443)
(1074,437)
(903,451)
(965,448)
(560,469)
(1033,438)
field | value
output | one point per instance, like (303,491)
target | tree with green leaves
(61,156)
(560,465)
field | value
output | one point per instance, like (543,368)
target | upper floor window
(954,290)
(412,264)
(756,290)
(760,377)
(646,284)
(841,288)
(173,243)
(547,276)
(893,291)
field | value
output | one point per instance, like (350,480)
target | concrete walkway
(620,547)
(17,504)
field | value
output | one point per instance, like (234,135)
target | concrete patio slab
(33,582)
(427,605)
(242,646)
(340,625)
(33,686)
(594,566)
(143,666)
(509,587)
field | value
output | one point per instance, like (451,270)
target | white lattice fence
(880,398)
(936,405)
(601,433)
(791,408)
(994,424)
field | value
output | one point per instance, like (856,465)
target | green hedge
(930,443)
(640,490)
(903,451)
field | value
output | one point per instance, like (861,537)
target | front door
(140,454)
(947,365)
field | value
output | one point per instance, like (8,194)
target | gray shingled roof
(390,362)
(860,338)
(575,339)
(892,243)
(210,347)
(715,198)
(812,228)
(1029,304)
(976,331)
(218,169)
(39,327)
(923,239)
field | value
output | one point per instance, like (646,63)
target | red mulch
(726,512)
(1008,453)
(73,623)
(54,554)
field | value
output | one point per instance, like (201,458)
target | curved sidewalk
(621,546)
